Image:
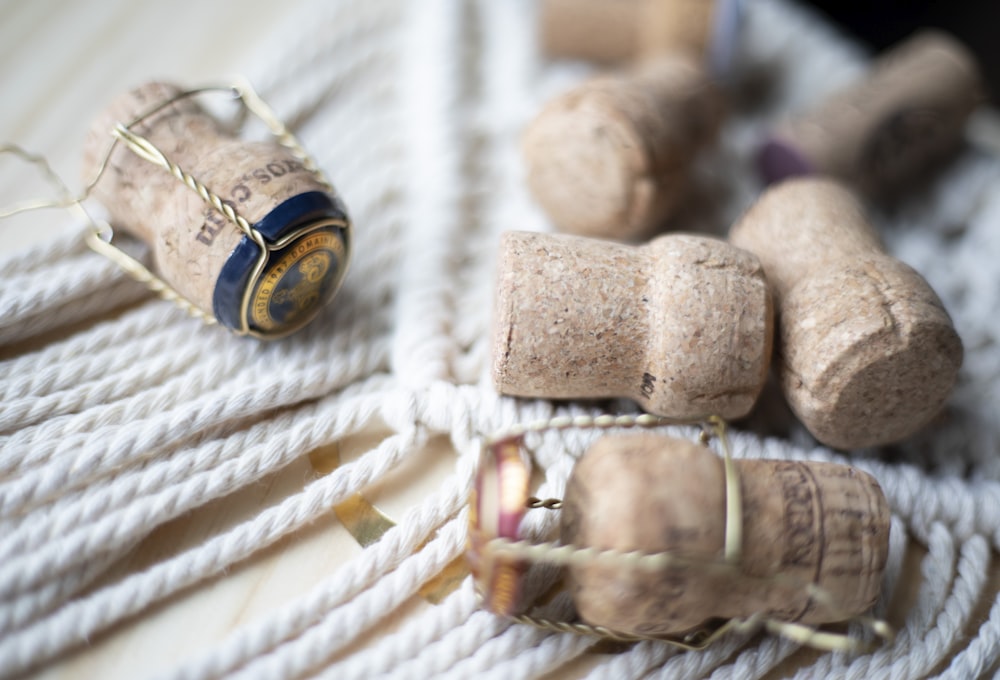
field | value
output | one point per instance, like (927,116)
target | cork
(804,523)
(675,25)
(596,30)
(681,325)
(617,31)
(196,249)
(610,157)
(867,354)
(887,130)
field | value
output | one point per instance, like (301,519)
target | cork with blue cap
(249,232)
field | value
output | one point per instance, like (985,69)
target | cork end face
(880,367)
(309,245)
(651,493)
(893,396)
(587,168)
(712,310)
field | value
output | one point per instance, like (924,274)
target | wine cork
(867,354)
(610,157)
(906,116)
(803,524)
(195,248)
(681,325)
(597,30)
(616,31)
(675,25)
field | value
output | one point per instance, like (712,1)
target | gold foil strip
(367,524)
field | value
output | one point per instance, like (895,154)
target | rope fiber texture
(415,109)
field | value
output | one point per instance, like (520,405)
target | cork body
(610,158)
(614,31)
(597,30)
(903,118)
(682,325)
(867,354)
(675,25)
(803,523)
(191,242)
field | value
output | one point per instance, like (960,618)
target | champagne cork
(803,524)
(610,157)
(675,25)
(906,116)
(682,325)
(597,30)
(195,248)
(616,31)
(867,354)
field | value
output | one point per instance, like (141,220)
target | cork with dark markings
(803,523)
(899,122)
(867,354)
(190,241)
(682,325)
(610,158)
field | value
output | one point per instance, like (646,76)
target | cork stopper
(867,353)
(610,157)
(804,524)
(675,25)
(616,31)
(681,325)
(905,117)
(195,248)
(597,30)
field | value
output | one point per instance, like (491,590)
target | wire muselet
(261,290)
(499,558)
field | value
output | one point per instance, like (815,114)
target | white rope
(697,664)
(67,279)
(46,316)
(756,662)
(636,663)
(82,618)
(331,38)
(510,643)
(548,655)
(85,356)
(417,633)
(937,569)
(58,392)
(423,346)
(972,571)
(150,425)
(68,244)
(387,555)
(981,652)
(29,607)
(459,643)
(346,623)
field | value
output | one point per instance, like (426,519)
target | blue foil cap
(307,236)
